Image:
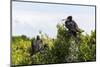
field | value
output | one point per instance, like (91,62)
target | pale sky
(29,18)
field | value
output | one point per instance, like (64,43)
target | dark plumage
(37,46)
(71,25)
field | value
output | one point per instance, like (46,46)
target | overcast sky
(29,18)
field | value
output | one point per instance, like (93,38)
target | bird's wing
(76,26)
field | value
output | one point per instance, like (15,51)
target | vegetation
(62,49)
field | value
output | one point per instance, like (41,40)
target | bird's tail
(80,31)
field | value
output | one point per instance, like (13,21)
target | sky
(30,18)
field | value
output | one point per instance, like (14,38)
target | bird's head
(38,37)
(69,18)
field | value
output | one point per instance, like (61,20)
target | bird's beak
(63,19)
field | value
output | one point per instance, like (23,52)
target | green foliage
(63,48)
(20,51)
(88,48)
